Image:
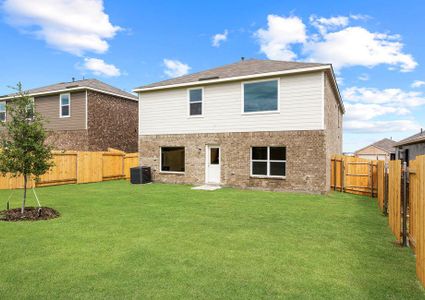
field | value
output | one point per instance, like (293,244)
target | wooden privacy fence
(400,190)
(354,175)
(80,167)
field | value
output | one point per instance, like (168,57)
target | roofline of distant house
(80,88)
(372,145)
(260,75)
(411,142)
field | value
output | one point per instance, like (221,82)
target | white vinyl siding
(300,108)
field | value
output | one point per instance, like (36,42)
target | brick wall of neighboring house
(333,124)
(112,122)
(77,140)
(305,167)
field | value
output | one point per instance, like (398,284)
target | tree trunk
(25,194)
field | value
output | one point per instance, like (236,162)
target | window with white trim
(261,96)
(268,161)
(2,111)
(65,105)
(195,102)
(31,109)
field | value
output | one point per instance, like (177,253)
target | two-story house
(252,124)
(85,115)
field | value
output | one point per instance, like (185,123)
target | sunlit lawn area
(116,240)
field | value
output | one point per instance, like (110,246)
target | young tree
(23,148)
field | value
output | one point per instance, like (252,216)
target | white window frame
(60,105)
(5,111)
(265,111)
(160,160)
(202,102)
(268,161)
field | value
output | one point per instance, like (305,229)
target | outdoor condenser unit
(140,175)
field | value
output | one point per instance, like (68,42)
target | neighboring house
(411,147)
(380,150)
(252,124)
(85,115)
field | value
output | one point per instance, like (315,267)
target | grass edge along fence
(400,190)
(74,167)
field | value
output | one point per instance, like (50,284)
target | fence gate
(354,175)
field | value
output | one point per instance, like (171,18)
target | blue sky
(377,48)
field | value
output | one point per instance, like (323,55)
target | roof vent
(242,58)
(208,78)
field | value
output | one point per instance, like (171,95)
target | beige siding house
(381,150)
(85,115)
(252,124)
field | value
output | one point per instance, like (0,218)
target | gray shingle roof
(385,144)
(416,138)
(240,68)
(85,83)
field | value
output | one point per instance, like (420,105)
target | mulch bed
(30,214)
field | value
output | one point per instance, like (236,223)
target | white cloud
(417,83)
(393,96)
(276,41)
(356,46)
(325,24)
(389,127)
(364,77)
(175,68)
(365,105)
(75,26)
(100,67)
(335,42)
(218,38)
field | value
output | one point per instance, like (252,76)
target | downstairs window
(268,161)
(172,159)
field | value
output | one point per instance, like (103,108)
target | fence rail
(400,192)
(72,167)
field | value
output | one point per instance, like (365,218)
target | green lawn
(115,240)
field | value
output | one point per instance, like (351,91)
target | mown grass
(115,240)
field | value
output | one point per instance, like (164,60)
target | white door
(213,164)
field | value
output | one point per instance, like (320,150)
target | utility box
(140,175)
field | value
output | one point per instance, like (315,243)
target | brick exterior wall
(112,122)
(69,140)
(333,124)
(305,168)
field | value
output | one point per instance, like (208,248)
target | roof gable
(91,84)
(240,68)
(386,145)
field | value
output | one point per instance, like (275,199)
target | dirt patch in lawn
(30,214)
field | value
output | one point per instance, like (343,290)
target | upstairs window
(261,96)
(30,109)
(268,161)
(65,105)
(2,111)
(195,102)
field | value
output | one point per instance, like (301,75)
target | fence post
(335,174)
(342,174)
(386,190)
(405,178)
(371,178)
